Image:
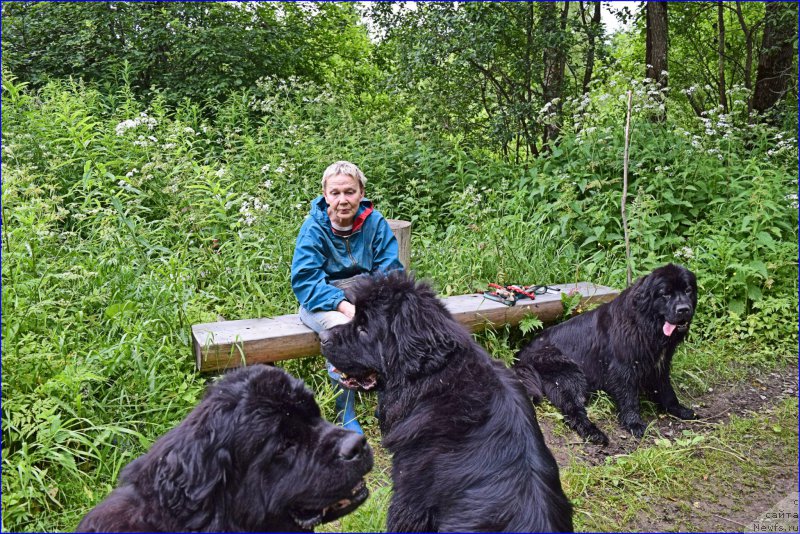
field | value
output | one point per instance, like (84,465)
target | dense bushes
(125,222)
(201,51)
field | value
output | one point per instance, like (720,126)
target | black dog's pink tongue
(668,328)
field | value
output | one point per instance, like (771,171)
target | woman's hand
(346,308)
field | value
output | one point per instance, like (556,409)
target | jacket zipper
(349,253)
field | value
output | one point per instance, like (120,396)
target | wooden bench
(227,344)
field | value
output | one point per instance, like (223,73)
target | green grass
(737,458)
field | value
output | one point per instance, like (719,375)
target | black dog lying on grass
(467,452)
(623,347)
(254,455)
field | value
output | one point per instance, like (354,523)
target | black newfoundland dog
(467,452)
(254,455)
(623,347)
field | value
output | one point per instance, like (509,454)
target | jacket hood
(319,212)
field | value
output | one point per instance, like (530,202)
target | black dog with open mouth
(467,451)
(623,347)
(254,455)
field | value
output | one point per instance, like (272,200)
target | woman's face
(343,194)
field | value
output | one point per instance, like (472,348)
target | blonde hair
(346,168)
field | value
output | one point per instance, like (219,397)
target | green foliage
(570,301)
(477,69)
(185,49)
(530,323)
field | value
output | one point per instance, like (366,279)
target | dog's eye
(688,290)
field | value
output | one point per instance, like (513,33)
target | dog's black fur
(467,452)
(254,455)
(623,347)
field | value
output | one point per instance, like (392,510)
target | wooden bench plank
(229,344)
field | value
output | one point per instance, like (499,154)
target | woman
(342,237)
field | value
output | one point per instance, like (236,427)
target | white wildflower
(685,253)
(130,124)
(125,126)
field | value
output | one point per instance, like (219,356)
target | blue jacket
(321,257)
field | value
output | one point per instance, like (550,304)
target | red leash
(514,289)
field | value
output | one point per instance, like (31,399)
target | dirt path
(712,506)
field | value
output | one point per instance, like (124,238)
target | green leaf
(87,174)
(759,267)
(754,292)
(736,306)
(530,323)
(118,308)
(765,239)
(664,443)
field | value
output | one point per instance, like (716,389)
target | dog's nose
(352,446)
(324,337)
(683,309)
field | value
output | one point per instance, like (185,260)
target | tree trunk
(656,48)
(555,59)
(592,32)
(723,101)
(775,60)
(748,44)
(530,21)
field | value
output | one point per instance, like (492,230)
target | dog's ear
(189,465)
(692,281)
(531,381)
(643,294)
(425,334)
